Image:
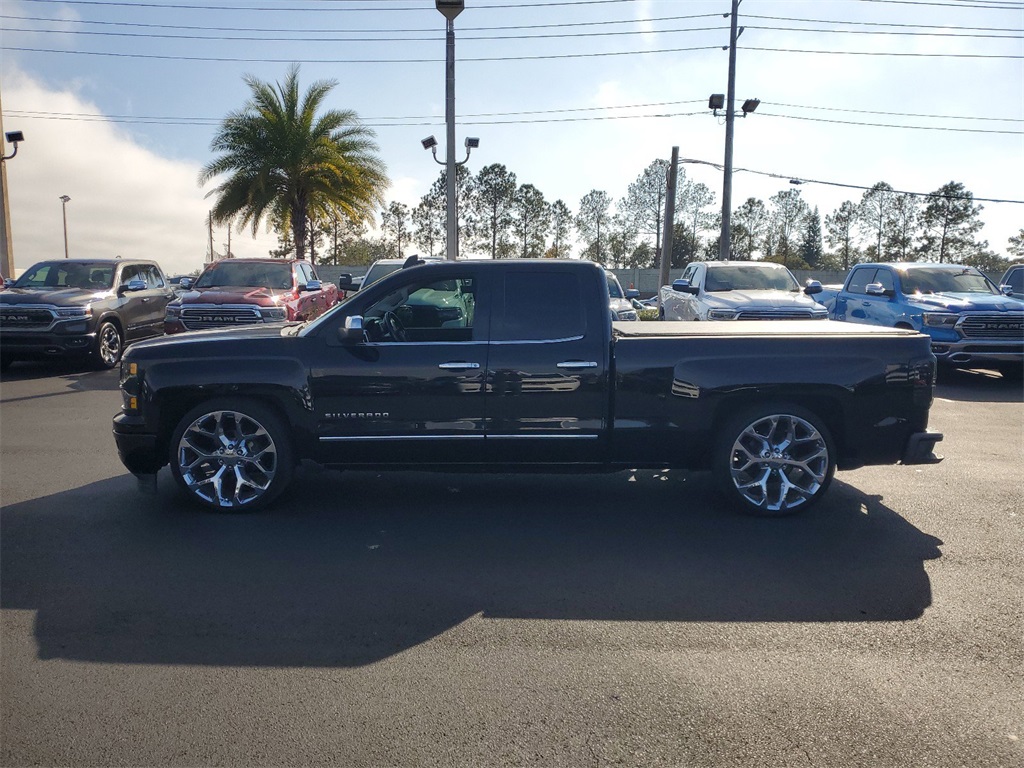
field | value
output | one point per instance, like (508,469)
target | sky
(119,102)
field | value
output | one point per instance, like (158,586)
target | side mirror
(683,286)
(352,331)
(313,285)
(812,287)
(185,283)
(132,286)
(9,281)
(346,283)
(632,293)
(875,289)
(1006,289)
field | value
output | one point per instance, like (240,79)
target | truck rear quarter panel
(673,392)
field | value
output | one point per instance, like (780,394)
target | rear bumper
(920,448)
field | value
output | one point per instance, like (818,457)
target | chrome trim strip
(576,364)
(542,437)
(459,366)
(539,341)
(352,438)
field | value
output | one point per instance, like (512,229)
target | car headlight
(74,313)
(940,319)
(721,314)
(274,313)
(172,312)
(628,314)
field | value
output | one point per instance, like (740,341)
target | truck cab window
(541,306)
(440,310)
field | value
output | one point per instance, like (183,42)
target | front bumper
(137,447)
(25,345)
(920,448)
(978,351)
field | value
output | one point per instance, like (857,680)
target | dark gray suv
(88,308)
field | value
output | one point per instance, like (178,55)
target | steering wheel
(394,326)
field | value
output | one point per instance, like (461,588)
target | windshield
(90,276)
(242,274)
(937,280)
(614,289)
(377,271)
(749,277)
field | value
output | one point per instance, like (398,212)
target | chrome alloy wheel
(109,346)
(779,462)
(227,458)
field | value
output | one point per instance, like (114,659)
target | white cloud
(125,200)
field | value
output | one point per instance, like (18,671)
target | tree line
(500,218)
(316,178)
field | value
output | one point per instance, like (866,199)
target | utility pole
(730,120)
(6,241)
(670,215)
(209,222)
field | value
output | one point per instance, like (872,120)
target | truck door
(547,372)
(413,391)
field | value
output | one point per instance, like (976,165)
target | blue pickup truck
(971,322)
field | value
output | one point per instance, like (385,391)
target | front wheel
(231,455)
(107,348)
(773,460)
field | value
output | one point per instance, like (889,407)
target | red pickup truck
(233,292)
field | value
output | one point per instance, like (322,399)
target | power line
(540,57)
(464,29)
(183,6)
(885,125)
(433,38)
(791,178)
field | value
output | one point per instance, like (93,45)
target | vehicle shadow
(356,567)
(978,385)
(80,376)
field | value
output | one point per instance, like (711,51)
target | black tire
(1012,371)
(231,455)
(773,460)
(108,346)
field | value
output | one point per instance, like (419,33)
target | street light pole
(450,9)
(64,200)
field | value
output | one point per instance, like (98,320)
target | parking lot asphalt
(375,619)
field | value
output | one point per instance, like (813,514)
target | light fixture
(750,105)
(717,101)
(472,142)
(13,137)
(451,8)
(429,143)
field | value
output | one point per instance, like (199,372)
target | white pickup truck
(739,290)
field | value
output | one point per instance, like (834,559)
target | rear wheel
(231,455)
(107,349)
(773,460)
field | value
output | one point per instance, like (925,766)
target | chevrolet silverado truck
(739,290)
(971,322)
(233,292)
(86,309)
(469,366)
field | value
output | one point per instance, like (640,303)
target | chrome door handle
(576,364)
(458,366)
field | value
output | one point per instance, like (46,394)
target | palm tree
(287,164)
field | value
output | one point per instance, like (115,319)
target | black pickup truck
(516,366)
